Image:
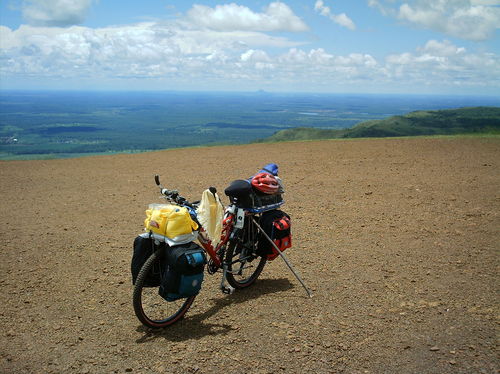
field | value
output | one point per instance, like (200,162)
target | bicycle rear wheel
(150,308)
(243,264)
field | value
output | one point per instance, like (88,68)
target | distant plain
(59,124)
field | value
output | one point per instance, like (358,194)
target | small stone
(434,349)
(452,362)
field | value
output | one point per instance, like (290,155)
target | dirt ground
(398,239)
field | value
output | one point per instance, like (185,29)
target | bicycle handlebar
(174,194)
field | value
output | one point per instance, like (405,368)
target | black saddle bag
(241,193)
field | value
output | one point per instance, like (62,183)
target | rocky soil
(398,238)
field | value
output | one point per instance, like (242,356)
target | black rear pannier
(241,193)
(143,248)
(183,274)
(277,225)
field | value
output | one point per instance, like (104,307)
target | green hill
(477,120)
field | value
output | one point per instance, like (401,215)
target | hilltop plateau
(398,239)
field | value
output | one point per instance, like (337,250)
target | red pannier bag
(277,225)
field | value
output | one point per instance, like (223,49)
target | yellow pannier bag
(169,220)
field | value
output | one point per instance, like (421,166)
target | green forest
(476,120)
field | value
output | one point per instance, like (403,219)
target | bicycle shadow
(196,326)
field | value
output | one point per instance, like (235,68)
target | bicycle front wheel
(150,308)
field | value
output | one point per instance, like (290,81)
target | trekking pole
(284,257)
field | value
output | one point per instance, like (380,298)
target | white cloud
(485,2)
(175,55)
(232,17)
(465,19)
(442,63)
(340,19)
(357,59)
(255,56)
(444,48)
(147,49)
(60,13)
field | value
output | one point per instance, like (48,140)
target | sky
(317,46)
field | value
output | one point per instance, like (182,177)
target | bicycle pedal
(227,290)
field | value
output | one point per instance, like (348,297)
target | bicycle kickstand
(225,288)
(284,257)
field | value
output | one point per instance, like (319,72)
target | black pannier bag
(183,274)
(277,225)
(241,193)
(143,248)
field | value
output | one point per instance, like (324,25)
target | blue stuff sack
(183,275)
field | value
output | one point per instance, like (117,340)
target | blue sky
(340,46)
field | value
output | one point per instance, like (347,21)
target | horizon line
(229,92)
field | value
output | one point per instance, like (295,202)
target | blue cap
(270,168)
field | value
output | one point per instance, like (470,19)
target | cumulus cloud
(466,19)
(441,62)
(485,2)
(340,19)
(147,49)
(60,13)
(232,17)
(255,56)
(182,54)
(444,49)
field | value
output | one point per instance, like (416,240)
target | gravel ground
(397,238)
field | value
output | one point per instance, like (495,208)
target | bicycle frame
(227,228)
(217,254)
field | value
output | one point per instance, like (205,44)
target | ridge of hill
(470,120)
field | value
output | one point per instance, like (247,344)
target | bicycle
(236,256)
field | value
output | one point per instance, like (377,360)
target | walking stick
(284,257)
